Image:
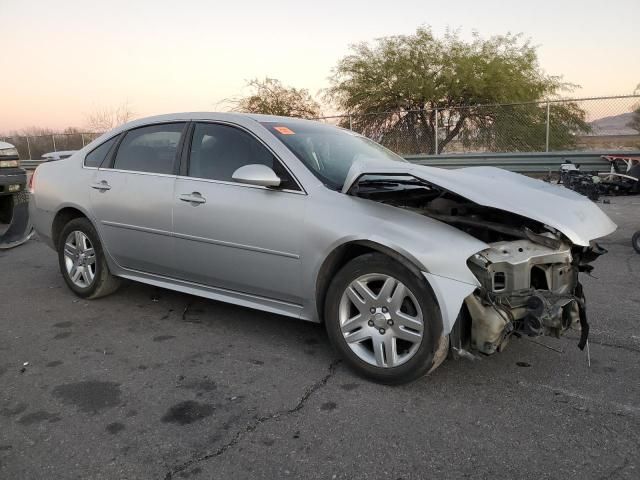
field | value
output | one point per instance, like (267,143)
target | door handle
(102,186)
(194,198)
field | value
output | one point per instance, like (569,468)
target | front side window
(96,156)
(217,151)
(150,149)
(328,151)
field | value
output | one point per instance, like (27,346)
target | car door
(132,195)
(235,236)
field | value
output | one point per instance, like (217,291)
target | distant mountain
(613,125)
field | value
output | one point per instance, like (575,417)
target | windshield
(328,151)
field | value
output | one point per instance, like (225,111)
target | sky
(62,60)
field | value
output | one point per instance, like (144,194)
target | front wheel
(383,319)
(82,261)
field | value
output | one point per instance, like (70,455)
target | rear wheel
(383,319)
(82,261)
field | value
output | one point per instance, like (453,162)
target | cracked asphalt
(149,383)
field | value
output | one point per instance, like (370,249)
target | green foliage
(272,98)
(635,119)
(523,127)
(412,75)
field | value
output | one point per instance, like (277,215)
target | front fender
(433,246)
(424,244)
(449,293)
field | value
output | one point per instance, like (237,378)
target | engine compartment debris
(528,276)
(622,179)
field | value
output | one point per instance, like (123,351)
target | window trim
(238,184)
(267,124)
(137,172)
(183,168)
(186,154)
(176,160)
(106,157)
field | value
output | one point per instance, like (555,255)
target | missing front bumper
(526,289)
(493,322)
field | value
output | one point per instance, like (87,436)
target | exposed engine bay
(528,276)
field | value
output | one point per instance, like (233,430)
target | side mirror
(256,174)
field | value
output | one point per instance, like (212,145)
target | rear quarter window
(96,156)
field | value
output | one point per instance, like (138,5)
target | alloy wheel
(381,320)
(79,259)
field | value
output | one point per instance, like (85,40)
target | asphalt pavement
(149,383)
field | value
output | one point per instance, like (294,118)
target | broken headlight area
(526,289)
(528,276)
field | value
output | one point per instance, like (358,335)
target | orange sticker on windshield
(285,130)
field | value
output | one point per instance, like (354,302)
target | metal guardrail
(516,162)
(523,162)
(30,164)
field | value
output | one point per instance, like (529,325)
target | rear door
(132,195)
(235,236)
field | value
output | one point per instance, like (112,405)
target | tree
(104,119)
(272,98)
(635,118)
(410,76)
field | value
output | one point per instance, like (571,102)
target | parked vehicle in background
(12,178)
(51,156)
(402,262)
(635,241)
(14,213)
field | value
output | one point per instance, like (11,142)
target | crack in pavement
(613,473)
(603,343)
(186,309)
(252,426)
(608,407)
(613,345)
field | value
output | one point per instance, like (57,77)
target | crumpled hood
(574,215)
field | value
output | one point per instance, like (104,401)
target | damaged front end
(527,289)
(528,275)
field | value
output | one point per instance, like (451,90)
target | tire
(96,281)
(374,324)
(635,241)
(6,208)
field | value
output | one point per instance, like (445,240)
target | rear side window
(150,149)
(217,151)
(96,156)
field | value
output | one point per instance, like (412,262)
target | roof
(4,145)
(234,117)
(182,116)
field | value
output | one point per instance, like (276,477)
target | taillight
(32,182)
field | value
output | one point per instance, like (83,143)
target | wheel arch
(347,251)
(63,216)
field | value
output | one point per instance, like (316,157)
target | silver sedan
(403,263)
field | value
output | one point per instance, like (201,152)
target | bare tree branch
(105,119)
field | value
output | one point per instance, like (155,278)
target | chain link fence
(603,123)
(34,146)
(584,124)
